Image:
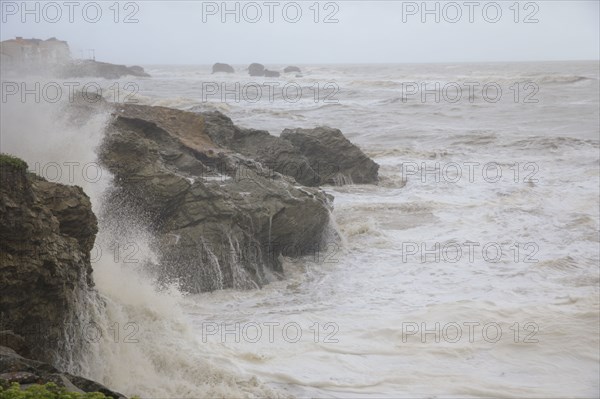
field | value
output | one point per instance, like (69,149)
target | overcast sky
(193,32)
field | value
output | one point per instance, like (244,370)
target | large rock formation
(47,233)
(325,143)
(16,368)
(89,68)
(220,219)
(219,67)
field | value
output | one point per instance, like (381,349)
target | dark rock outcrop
(276,154)
(219,67)
(89,68)
(271,74)
(256,69)
(16,368)
(291,69)
(325,143)
(48,230)
(220,219)
(311,156)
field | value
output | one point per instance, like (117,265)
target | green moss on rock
(47,391)
(10,160)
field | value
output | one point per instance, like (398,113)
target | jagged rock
(273,152)
(324,143)
(89,68)
(256,69)
(219,67)
(13,341)
(220,220)
(15,368)
(290,69)
(311,156)
(48,230)
(271,74)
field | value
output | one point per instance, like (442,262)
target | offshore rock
(290,69)
(219,67)
(256,69)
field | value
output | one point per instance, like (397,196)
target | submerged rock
(48,230)
(219,67)
(351,165)
(221,220)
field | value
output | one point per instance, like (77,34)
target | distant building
(34,52)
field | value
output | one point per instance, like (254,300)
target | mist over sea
(470,270)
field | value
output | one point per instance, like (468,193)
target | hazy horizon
(382,63)
(345,32)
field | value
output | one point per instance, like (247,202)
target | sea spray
(127,334)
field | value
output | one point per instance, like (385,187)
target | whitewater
(470,270)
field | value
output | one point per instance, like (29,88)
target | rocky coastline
(224,205)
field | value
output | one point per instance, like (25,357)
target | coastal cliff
(48,231)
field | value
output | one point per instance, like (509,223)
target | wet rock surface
(48,230)
(220,219)
(313,157)
(350,164)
